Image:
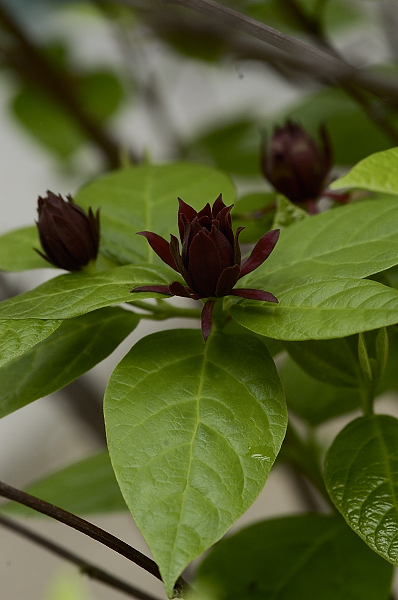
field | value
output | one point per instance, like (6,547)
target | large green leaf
(17,337)
(85,487)
(17,251)
(193,431)
(329,245)
(377,172)
(313,400)
(320,310)
(144,198)
(332,361)
(361,475)
(304,557)
(74,348)
(74,294)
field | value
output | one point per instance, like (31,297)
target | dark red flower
(69,236)
(295,165)
(210,258)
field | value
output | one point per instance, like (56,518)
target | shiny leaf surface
(17,337)
(320,310)
(193,430)
(377,173)
(74,294)
(74,348)
(361,475)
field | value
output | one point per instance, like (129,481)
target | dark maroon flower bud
(68,236)
(295,165)
(210,259)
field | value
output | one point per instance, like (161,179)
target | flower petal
(186,210)
(205,318)
(161,247)
(218,206)
(251,294)
(159,289)
(227,280)
(177,289)
(260,252)
(204,265)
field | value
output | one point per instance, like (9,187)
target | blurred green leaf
(331,361)
(99,94)
(233,147)
(312,399)
(255,212)
(304,557)
(86,487)
(74,348)
(17,250)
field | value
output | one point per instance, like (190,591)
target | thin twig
(87,568)
(313,60)
(31,64)
(96,533)
(313,27)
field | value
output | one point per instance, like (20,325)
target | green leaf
(17,251)
(313,400)
(85,487)
(233,147)
(320,310)
(68,586)
(327,245)
(377,173)
(287,213)
(74,348)
(293,558)
(361,475)
(254,212)
(193,430)
(144,198)
(331,361)
(17,337)
(98,93)
(74,294)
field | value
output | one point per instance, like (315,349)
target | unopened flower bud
(295,165)
(68,235)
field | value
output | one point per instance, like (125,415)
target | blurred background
(89,86)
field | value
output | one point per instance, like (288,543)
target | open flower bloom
(68,235)
(210,258)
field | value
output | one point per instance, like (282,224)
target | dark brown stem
(27,60)
(96,533)
(314,28)
(317,62)
(87,568)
